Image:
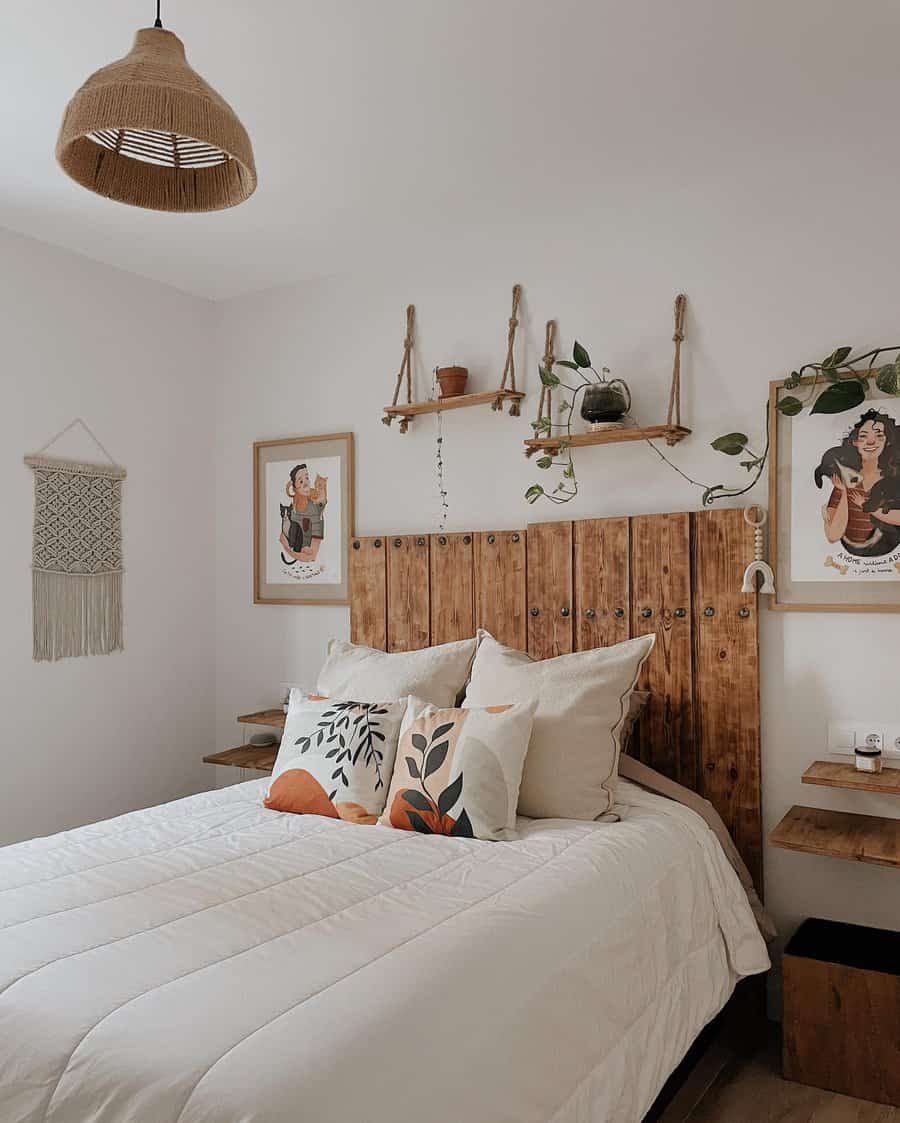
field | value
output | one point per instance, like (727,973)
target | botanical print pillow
(336,757)
(458,771)
(436,674)
(582,702)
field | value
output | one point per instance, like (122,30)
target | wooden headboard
(569,586)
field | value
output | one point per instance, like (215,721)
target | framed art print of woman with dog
(303,519)
(835,499)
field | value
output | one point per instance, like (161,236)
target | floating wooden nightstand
(840,834)
(830,775)
(251,757)
(247,756)
(274,719)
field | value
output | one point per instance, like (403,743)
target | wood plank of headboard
(500,563)
(550,599)
(661,603)
(602,579)
(452,588)
(368,592)
(408,585)
(727,678)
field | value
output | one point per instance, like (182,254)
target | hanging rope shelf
(507,391)
(672,432)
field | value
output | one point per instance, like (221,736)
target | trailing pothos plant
(840,382)
(567,487)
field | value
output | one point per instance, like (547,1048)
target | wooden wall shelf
(829,774)
(247,756)
(839,834)
(274,719)
(461,401)
(672,434)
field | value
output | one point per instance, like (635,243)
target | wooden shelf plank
(247,756)
(461,401)
(271,718)
(829,774)
(839,834)
(672,434)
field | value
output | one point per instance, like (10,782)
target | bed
(212,960)
(209,960)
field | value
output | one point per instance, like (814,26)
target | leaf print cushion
(458,771)
(336,757)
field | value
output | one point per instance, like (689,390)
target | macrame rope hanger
(509,367)
(545,406)
(674,414)
(405,369)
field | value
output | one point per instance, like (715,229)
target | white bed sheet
(209,961)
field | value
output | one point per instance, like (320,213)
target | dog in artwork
(843,462)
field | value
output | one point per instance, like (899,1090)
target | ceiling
(415,127)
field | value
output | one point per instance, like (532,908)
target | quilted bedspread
(209,961)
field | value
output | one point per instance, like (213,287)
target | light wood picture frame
(846,593)
(303,519)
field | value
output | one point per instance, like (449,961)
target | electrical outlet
(892,741)
(874,741)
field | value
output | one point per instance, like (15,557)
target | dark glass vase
(606,403)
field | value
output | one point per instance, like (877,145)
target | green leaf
(544,461)
(790,407)
(840,397)
(888,379)
(581,357)
(840,355)
(793,381)
(732,444)
(548,377)
(708,497)
(534,493)
(567,363)
(569,473)
(830,374)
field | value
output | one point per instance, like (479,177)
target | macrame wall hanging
(76,554)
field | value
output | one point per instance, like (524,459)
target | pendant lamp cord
(158,20)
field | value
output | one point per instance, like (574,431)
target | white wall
(84,739)
(322,357)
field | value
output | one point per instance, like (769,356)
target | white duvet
(210,961)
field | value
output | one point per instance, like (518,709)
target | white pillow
(582,701)
(434,674)
(336,758)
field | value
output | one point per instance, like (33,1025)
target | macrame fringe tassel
(76,614)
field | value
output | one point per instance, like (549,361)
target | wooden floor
(752,1091)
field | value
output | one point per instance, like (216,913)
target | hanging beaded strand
(756,517)
(439,459)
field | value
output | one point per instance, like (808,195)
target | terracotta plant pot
(452,380)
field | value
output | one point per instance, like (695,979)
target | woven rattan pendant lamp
(148,131)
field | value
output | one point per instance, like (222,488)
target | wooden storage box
(842,1010)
